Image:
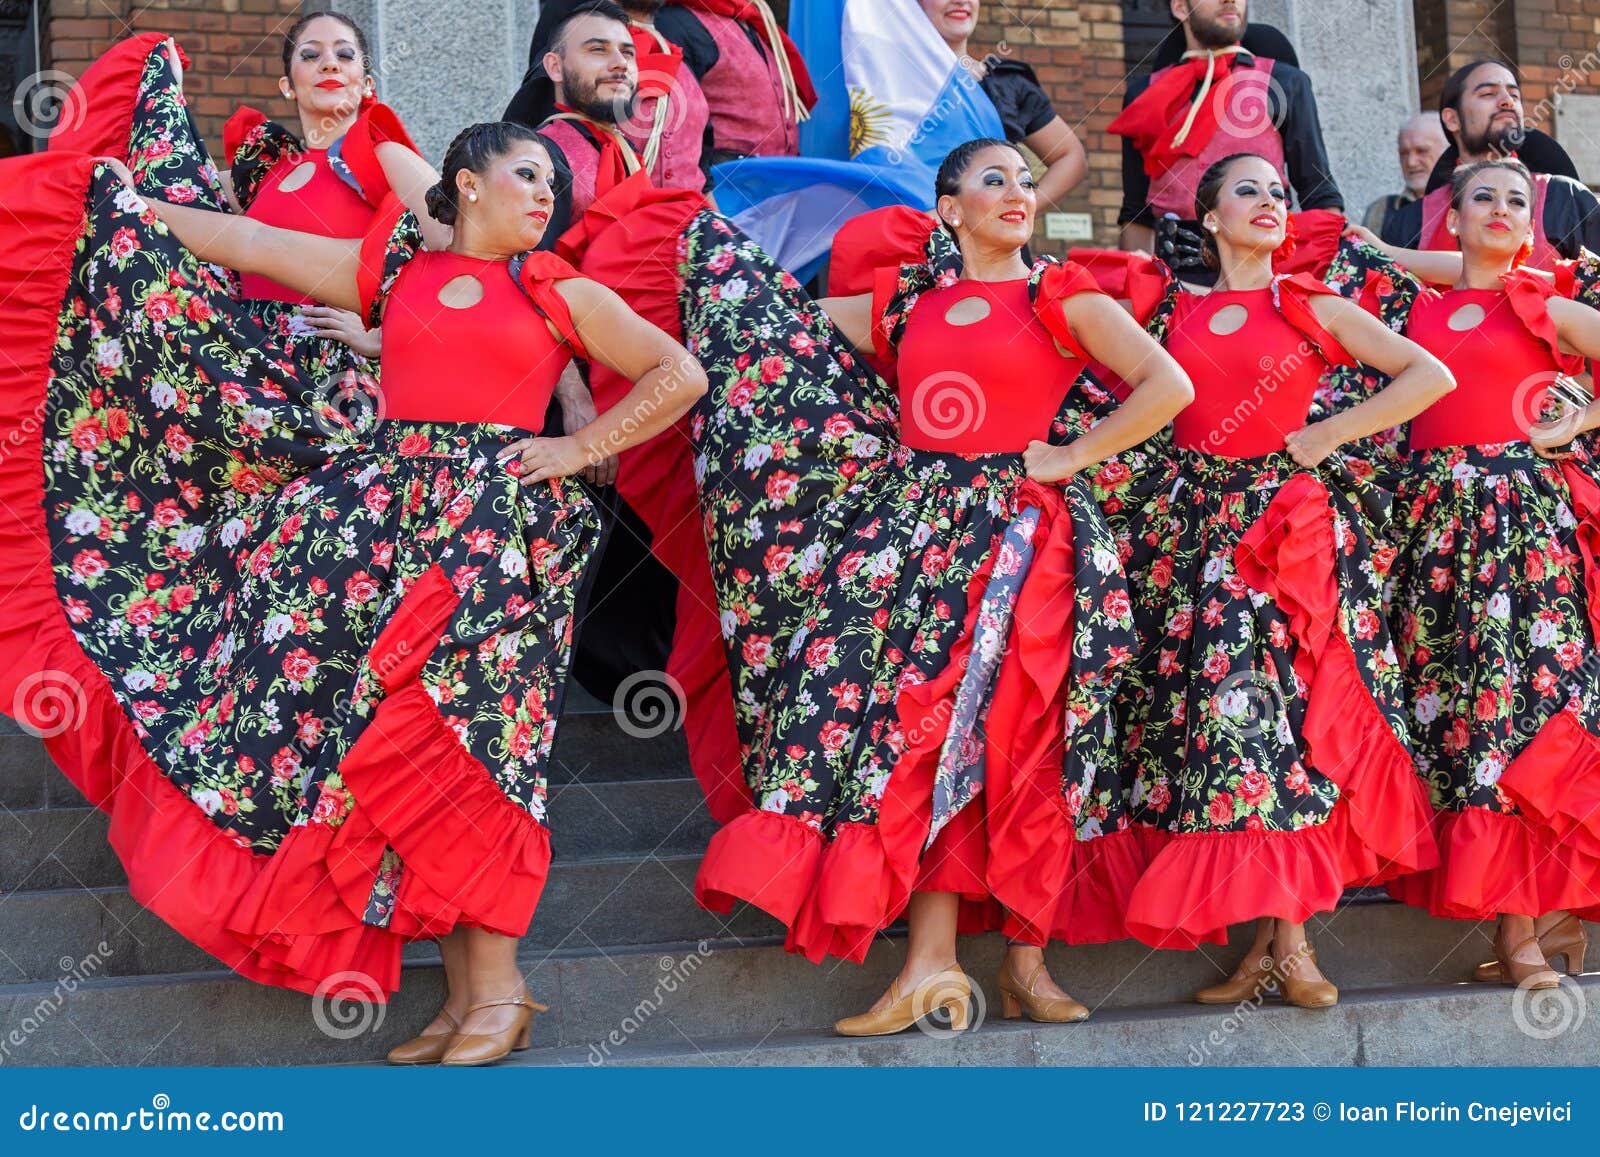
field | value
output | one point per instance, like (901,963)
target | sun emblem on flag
(870,121)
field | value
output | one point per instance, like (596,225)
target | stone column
(1362,59)
(443,64)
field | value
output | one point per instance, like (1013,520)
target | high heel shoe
(949,990)
(1522,974)
(1306,993)
(1017,996)
(427,1048)
(1254,974)
(1567,937)
(484,1048)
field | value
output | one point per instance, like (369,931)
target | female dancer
(327,175)
(865,748)
(318,690)
(1264,716)
(1493,601)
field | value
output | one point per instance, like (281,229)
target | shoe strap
(515,1001)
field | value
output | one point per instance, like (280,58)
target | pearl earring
(472,196)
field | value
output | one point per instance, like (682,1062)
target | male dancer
(1219,99)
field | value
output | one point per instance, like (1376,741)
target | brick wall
(1076,50)
(234,45)
(1555,44)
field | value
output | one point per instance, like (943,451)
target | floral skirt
(1494,611)
(1264,717)
(314,681)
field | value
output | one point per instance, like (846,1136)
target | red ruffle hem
(293,918)
(1200,883)
(1011,854)
(1547,858)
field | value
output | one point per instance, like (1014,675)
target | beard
(1215,34)
(583,97)
(1496,140)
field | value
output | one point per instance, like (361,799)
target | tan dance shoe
(1017,997)
(1255,974)
(484,1048)
(427,1048)
(1567,938)
(949,990)
(1519,973)
(1307,993)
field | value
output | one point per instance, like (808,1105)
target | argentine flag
(892,100)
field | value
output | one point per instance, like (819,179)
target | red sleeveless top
(1255,385)
(986,388)
(1503,366)
(495,361)
(324,204)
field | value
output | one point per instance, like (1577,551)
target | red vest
(1435,236)
(582,157)
(745,91)
(1244,125)
(662,71)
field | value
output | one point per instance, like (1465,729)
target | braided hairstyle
(292,38)
(955,165)
(1206,196)
(474,149)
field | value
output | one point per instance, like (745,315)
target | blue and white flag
(892,100)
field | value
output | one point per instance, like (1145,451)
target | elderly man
(1421,143)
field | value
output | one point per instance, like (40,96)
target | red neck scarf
(1177,115)
(756,13)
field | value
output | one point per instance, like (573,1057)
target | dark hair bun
(441,204)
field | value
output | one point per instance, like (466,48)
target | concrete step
(65,847)
(587,903)
(591,747)
(1435,1025)
(618,1003)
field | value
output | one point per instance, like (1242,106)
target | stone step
(597,903)
(1456,1025)
(620,1004)
(62,847)
(591,747)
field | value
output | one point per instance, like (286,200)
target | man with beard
(1220,98)
(1480,107)
(666,120)
(753,78)
(1420,144)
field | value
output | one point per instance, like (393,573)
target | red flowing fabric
(1529,295)
(628,240)
(1200,883)
(293,918)
(879,239)
(1156,114)
(1313,242)
(98,115)
(751,14)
